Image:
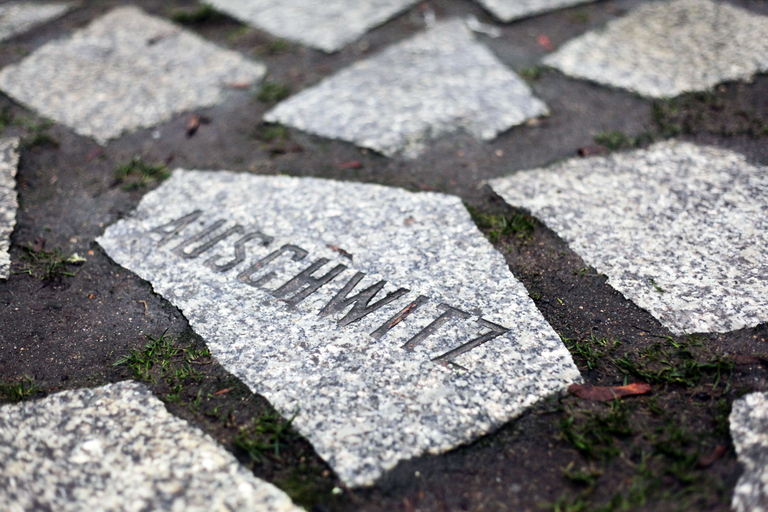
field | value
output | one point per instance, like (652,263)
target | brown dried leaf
(608,393)
(592,150)
(354,164)
(339,250)
(710,459)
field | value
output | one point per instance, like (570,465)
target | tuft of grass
(263,437)
(662,452)
(17,391)
(531,74)
(138,174)
(580,17)
(669,362)
(593,434)
(591,351)
(38,135)
(6,118)
(202,14)
(497,226)
(279,46)
(272,92)
(163,359)
(615,140)
(711,112)
(47,265)
(268,133)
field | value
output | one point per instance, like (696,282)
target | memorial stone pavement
(392,344)
(460,255)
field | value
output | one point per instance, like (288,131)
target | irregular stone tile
(383,317)
(9,160)
(691,221)
(749,430)
(435,83)
(117,448)
(508,10)
(124,71)
(18,17)
(663,49)
(329,25)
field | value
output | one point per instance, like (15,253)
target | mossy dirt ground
(67,323)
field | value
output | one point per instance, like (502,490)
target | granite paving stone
(124,71)
(508,10)
(117,448)
(749,430)
(18,17)
(435,83)
(383,318)
(680,229)
(9,160)
(328,25)
(663,49)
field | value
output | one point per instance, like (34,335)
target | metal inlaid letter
(438,322)
(359,301)
(239,252)
(402,315)
(175,227)
(496,330)
(180,250)
(305,278)
(245,275)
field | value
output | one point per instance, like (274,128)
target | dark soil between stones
(643,453)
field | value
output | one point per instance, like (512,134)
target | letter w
(360,308)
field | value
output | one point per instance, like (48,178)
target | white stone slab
(328,25)
(508,10)
(663,49)
(749,430)
(693,220)
(18,17)
(435,83)
(124,71)
(117,448)
(9,160)
(364,401)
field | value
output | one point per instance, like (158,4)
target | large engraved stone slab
(667,48)
(117,448)
(680,230)
(124,71)
(383,317)
(9,160)
(18,17)
(435,83)
(329,25)
(749,430)
(508,10)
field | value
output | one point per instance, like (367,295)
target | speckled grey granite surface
(18,17)
(124,71)
(508,10)
(366,397)
(437,82)
(693,220)
(9,160)
(749,430)
(328,25)
(666,48)
(116,448)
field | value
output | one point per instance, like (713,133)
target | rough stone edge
(10,148)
